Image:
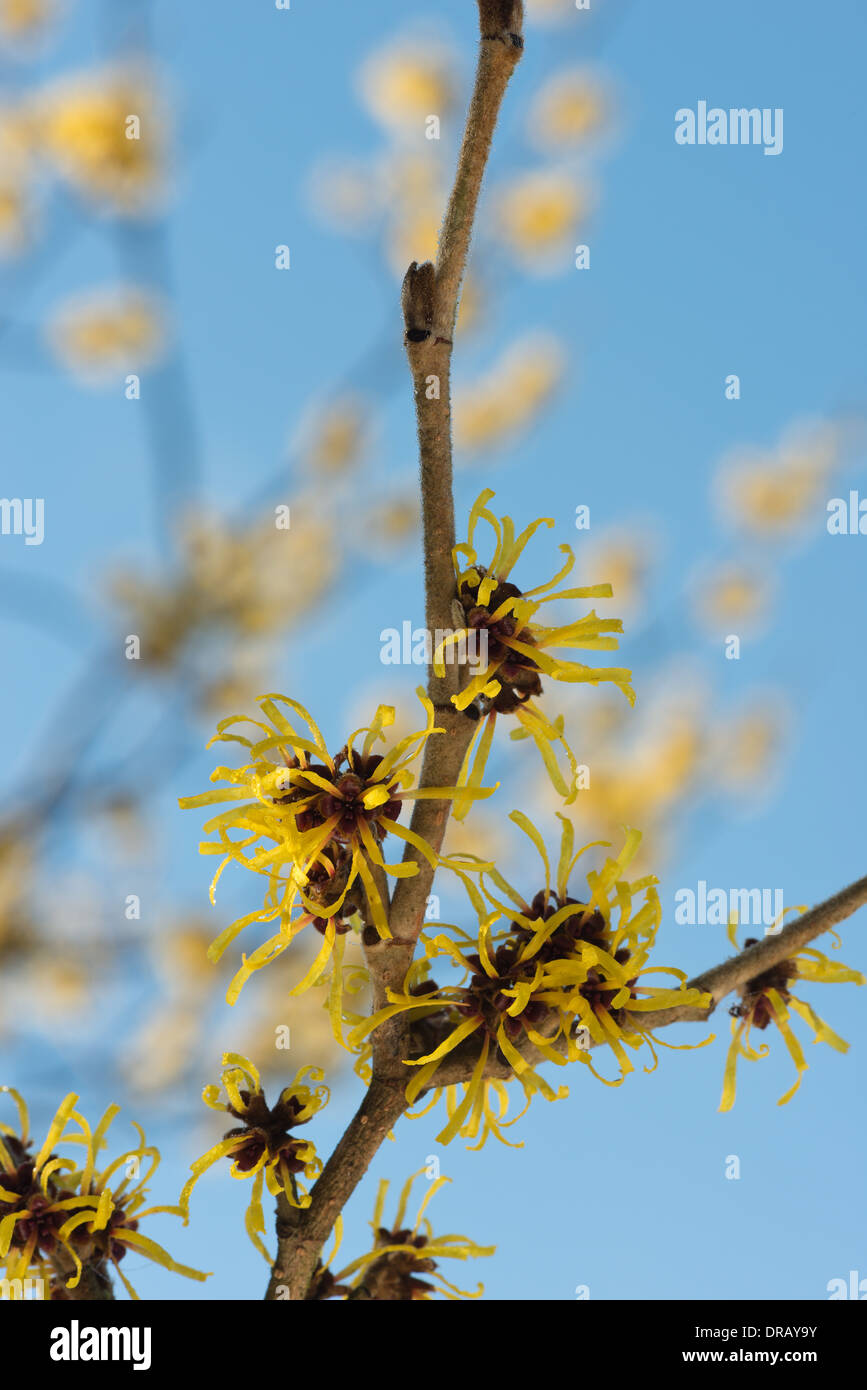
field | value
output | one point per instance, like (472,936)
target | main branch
(430,303)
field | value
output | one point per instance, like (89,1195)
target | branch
(302,1234)
(430,300)
(430,303)
(719,981)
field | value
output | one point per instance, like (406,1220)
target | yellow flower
(101,335)
(771,493)
(746,746)
(242,582)
(336,437)
(15,214)
(561,977)
(22,19)
(315,827)
(625,555)
(401,1255)
(537,216)
(501,615)
(103,135)
(572,107)
(386,527)
(732,594)
(403,84)
(767,999)
(55,1209)
(646,776)
(507,399)
(413,233)
(262,1147)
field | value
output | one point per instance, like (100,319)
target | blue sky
(705,261)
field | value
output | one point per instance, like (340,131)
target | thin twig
(302,1234)
(430,363)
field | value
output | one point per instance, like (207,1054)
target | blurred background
(165,387)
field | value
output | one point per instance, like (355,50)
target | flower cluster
(519,648)
(402,1262)
(768,998)
(560,978)
(262,1145)
(59,1216)
(315,827)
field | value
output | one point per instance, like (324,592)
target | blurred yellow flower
(388,526)
(406,82)
(23,19)
(336,436)
(571,108)
(411,188)
(549,12)
(745,747)
(163,1049)
(481,835)
(731,595)
(57,987)
(16,216)
(103,134)
(102,334)
(277,1023)
(16,169)
(413,236)
(537,216)
(508,397)
(624,555)
(773,492)
(341,195)
(645,772)
(471,308)
(16,869)
(243,581)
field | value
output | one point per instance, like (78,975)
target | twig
(430,362)
(719,981)
(430,302)
(301,1234)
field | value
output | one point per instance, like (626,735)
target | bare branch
(430,308)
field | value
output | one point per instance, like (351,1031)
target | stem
(301,1235)
(430,362)
(719,981)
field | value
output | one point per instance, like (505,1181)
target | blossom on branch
(393,1270)
(768,998)
(261,1147)
(315,828)
(59,1216)
(518,647)
(563,976)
